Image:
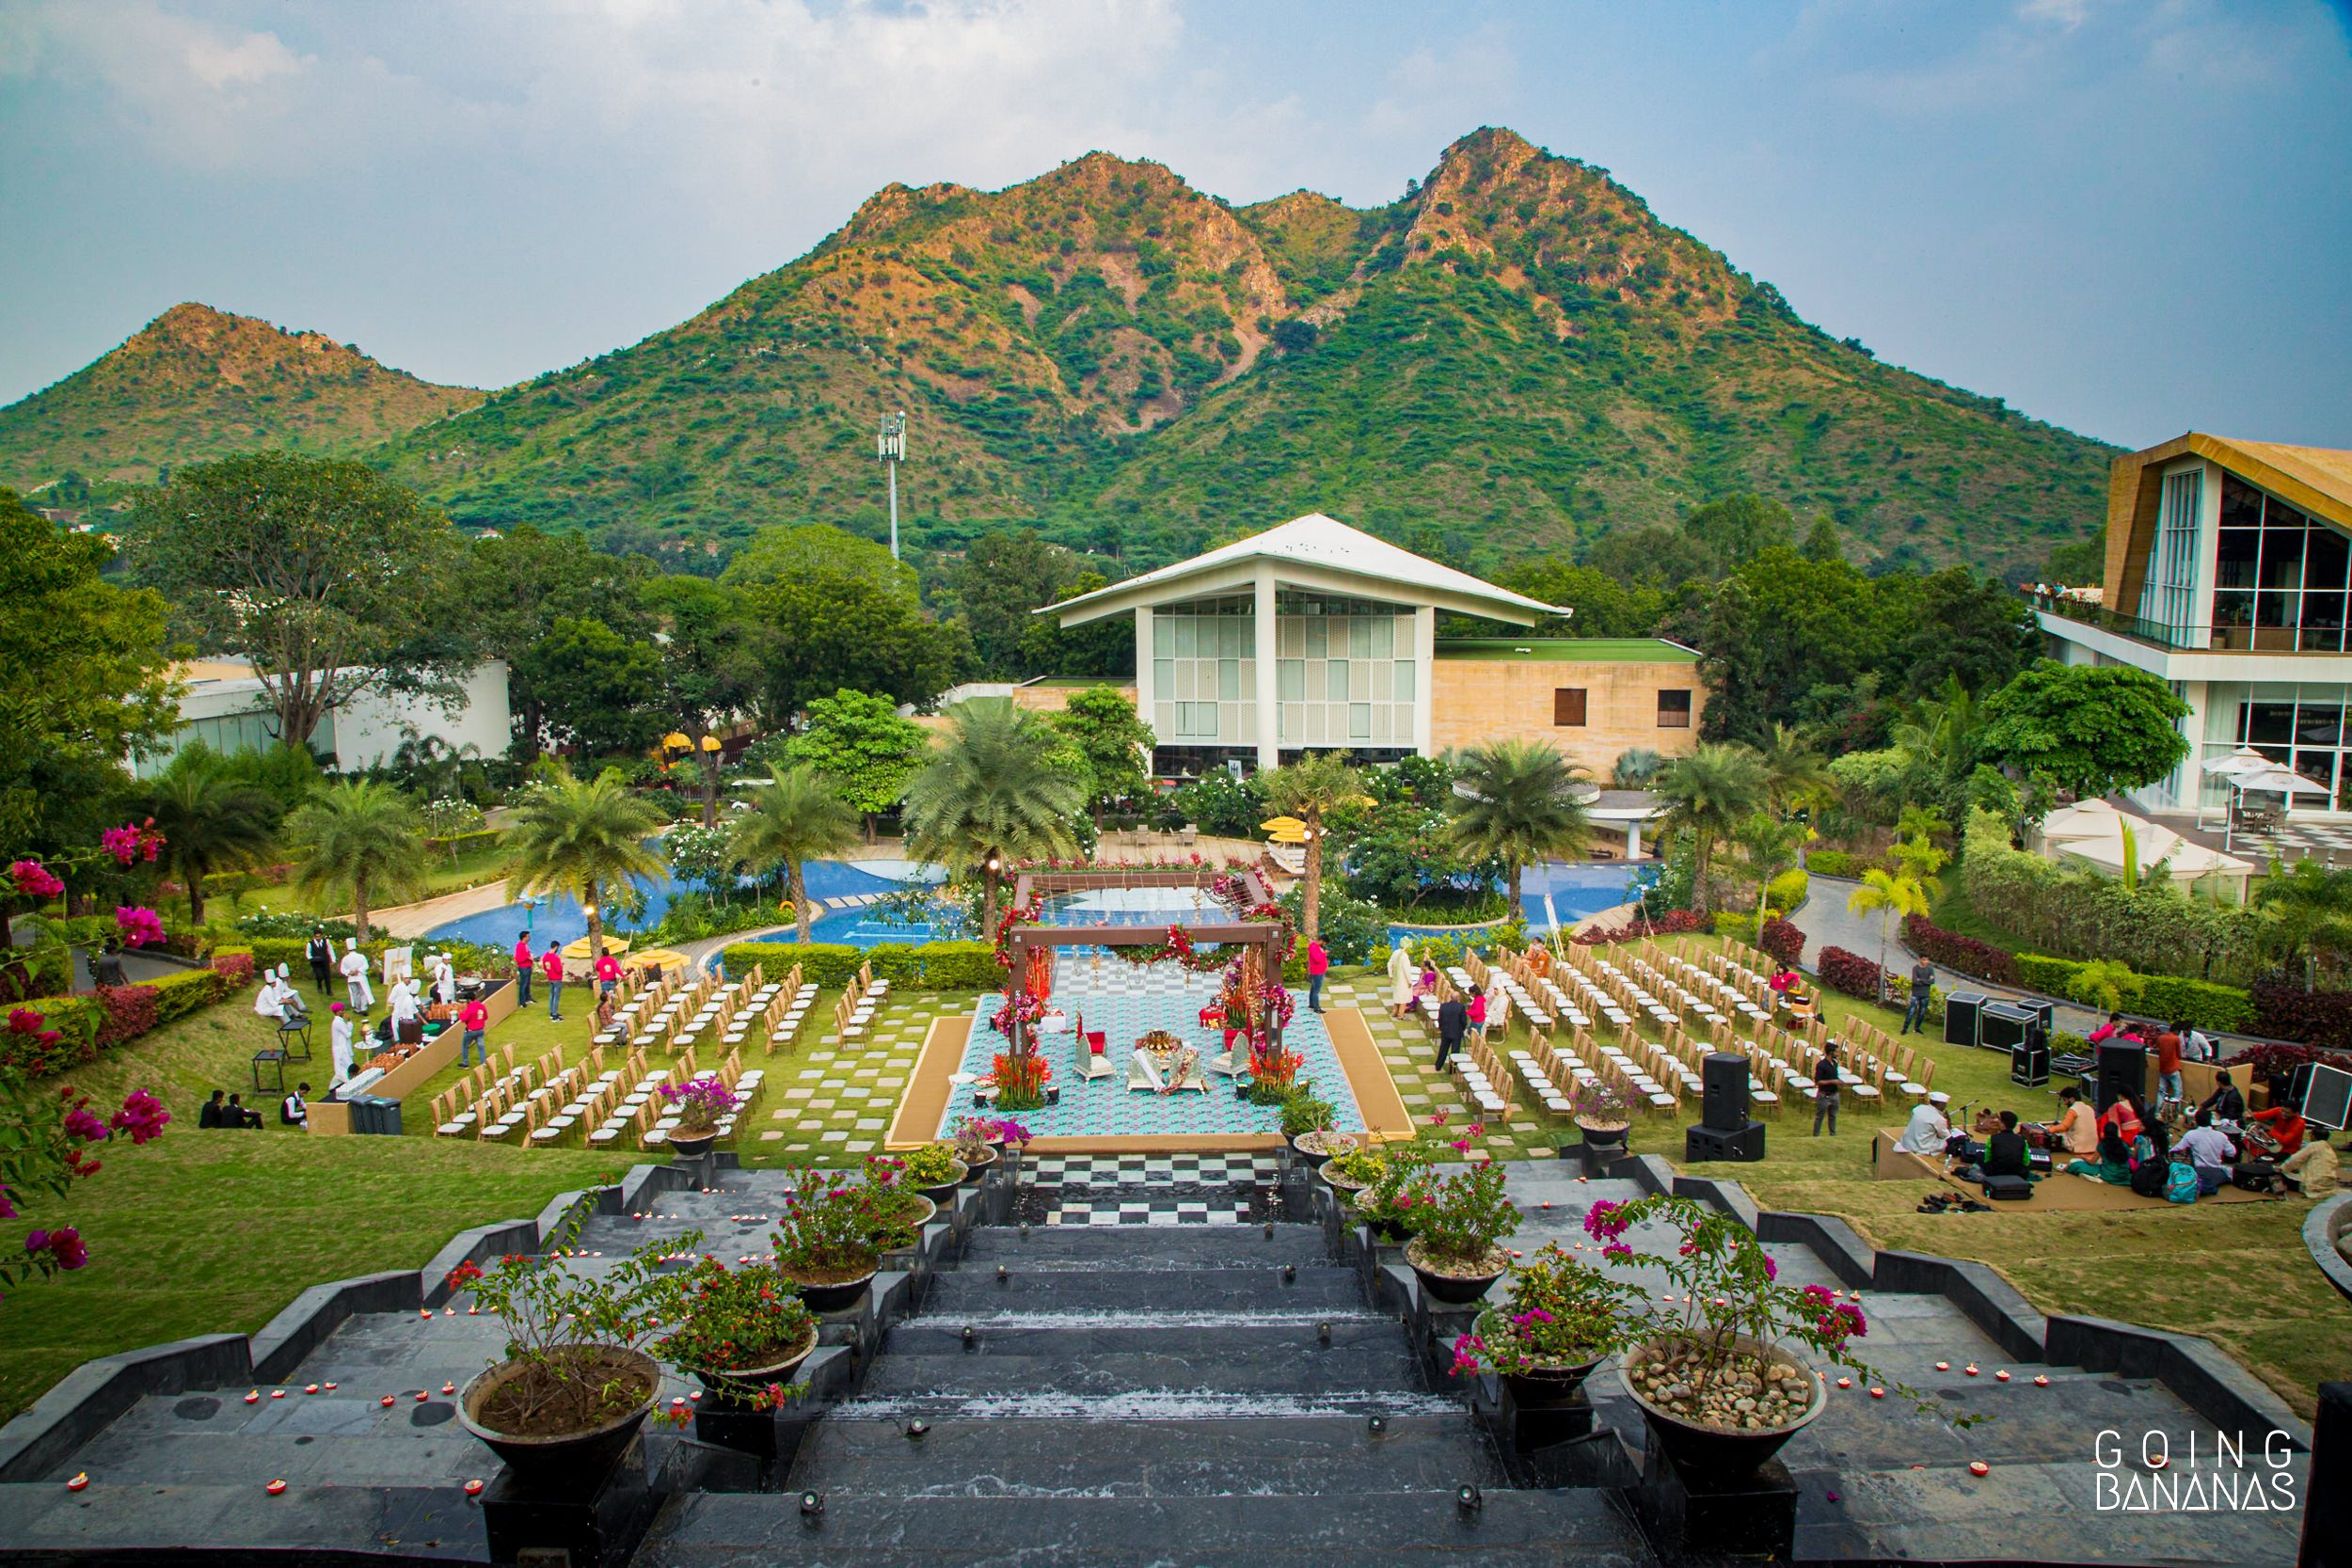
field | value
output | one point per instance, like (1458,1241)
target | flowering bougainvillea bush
(1560,1313)
(46,1139)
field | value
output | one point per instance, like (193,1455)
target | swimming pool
(561,919)
(1576,888)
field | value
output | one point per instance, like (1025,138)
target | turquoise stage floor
(1125,1004)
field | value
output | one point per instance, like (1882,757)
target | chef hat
(282,972)
(1939,1098)
(351,944)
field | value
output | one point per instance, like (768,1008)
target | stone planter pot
(576,1460)
(974,1170)
(1389,1234)
(1712,1453)
(1342,1188)
(1454,1289)
(739,1387)
(942,1193)
(692,1149)
(1314,1149)
(1605,1142)
(831,1296)
(1543,1388)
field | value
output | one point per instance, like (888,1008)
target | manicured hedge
(1849,973)
(953,966)
(2164,997)
(2287,1012)
(106,1017)
(1837,863)
(1783,941)
(1673,922)
(1954,951)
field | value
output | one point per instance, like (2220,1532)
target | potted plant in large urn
(701,1104)
(1561,1318)
(827,1240)
(900,1211)
(563,1403)
(976,1146)
(745,1332)
(934,1171)
(1605,1117)
(1307,1123)
(1393,1203)
(1722,1370)
(1349,1175)
(1460,1221)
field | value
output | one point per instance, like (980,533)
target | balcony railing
(2221,638)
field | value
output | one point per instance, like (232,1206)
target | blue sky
(2129,217)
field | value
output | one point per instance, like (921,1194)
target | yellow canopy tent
(1285,830)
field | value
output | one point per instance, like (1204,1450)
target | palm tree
(581,837)
(796,817)
(208,821)
(1773,847)
(357,838)
(1522,801)
(2306,916)
(1316,784)
(1892,894)
(1794,773)
(991,795)
(1709,794)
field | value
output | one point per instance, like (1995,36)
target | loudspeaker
(1711,1143)
(1723,1102)
(2030,1066)
(1960,1009)
(2001,1025)
(2120,1067)
(2325,1100)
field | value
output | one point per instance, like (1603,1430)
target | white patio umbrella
(2246,769)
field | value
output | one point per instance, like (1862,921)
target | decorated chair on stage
(1093,1054)
(1162,1063)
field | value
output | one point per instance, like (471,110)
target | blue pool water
(561,919)
(1578,888)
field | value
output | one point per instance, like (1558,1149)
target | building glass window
(1568,706)
(1674,709)
(2169,597)
(2281,577)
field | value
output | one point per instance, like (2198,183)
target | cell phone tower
(890,447)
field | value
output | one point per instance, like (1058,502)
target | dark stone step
(147,1522)
(1141,1246)
(976,1289)
(1408,1529)
(1288,1333)
(1252,1361)
(1133,1459)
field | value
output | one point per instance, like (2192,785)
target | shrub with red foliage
(2287,1012)
(1849,973)
(236,969)
(1954,951)
(1782,941)
(1673,922)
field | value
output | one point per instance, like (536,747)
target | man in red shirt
(552,965)
(2168,1086)
(522,969)
(607,972)
(473,1017)
(1318,965)
(2284,1123)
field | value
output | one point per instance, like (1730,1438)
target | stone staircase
(1170,1389)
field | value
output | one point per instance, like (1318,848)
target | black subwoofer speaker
(1710,1143)
(1724,1099)
(2120,1067)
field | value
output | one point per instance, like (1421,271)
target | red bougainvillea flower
(80,1124)
(139,926)
(32,880)
(63,1245)
(142,1115)
(464,1275)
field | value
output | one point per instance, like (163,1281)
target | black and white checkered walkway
(1137,1170)
(1154,1212)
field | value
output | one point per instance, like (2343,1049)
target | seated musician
(2113,1166)
(2313,1168)
(2226,1105)
(2277,1132)
(1928,1132)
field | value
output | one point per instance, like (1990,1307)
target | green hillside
(198,382)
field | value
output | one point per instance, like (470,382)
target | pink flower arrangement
(80,1123)
(32,880)
(139,925)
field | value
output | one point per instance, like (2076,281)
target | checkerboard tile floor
(1155,1212)
(1135,1170)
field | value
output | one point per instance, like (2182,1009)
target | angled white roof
(1315,552)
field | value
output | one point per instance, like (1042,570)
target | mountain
(198,382)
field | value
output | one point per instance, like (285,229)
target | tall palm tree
(2305,914)
(1520,802)
(1794,773)
(1709,794)
(208,821)
(582,836)
(1315,785)
(796,817)
(1773,847)
(1892,895)
(991,795)
(360,839)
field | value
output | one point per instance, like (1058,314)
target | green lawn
(1955,913)
(216,1231)
(471,869)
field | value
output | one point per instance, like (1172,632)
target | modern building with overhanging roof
(2229,564)
(1354,663)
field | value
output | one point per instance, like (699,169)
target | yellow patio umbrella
(578,950)
(711,743)
(675,741)
(1282,824)
(657,958)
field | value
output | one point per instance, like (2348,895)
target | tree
(796,817)
(1520,803)
(1317,785)
(2304,914)
(318,571)
(862,744)
(1105,647)
(83,678)
(1005,575)
(709,673)
(1784,624)
(1709,794)
(1972,631)
(1795,775)
(593,687)
(1892,895)
(991,795)
(582,836)
(834,611)
(1772,846)
(358,839)
(2091,728)
(1105,727)
(209,822)
(523,587)
(1604,606)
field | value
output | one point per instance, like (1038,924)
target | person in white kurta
(265,1004)
(355,973)
(403,1001)
(340,1036)
(444,978)
(1401,977)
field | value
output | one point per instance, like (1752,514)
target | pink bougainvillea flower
(7,1210)
(32,880)
(142,1115)
(66,1247)
(139,926)
(80,1124)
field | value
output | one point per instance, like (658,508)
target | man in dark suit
(1452,1022)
